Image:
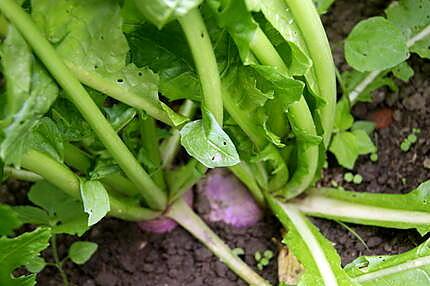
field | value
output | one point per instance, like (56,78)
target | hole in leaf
(224,143)
(140,74)
(120,80)
(213,158)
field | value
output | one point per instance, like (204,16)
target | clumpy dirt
(128,256)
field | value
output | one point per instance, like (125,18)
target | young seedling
(410,140)
(263,259)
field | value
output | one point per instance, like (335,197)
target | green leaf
(95,200)
(20,251)
(152,48)
(345,147)
(18,135)
(81,251)
(323,5)
(402,211)
(47,138)
(69,121)
(403,71)
(104,168)
(208,143)
(17,63)
(96,50)
(409,268)
(318,256)
(364,47)
(119,115)
(233,16)
(294,51)
(33,215)
(364,143)
(343,120)
(9,220)
(366,126)
(160,12)
(132,18)
(36,265)
(176,118)
(66,213)
(412,17)
(286,89)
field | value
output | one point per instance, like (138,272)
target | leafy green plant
(406,29)
(410,140)
(102,158)
(409,268)
(98,102)
(263,259)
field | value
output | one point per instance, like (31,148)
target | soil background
(128,256)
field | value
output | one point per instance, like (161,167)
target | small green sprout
(358,179)
(374,157)
(412,138)
(348,177)
(263,259)
(238,251)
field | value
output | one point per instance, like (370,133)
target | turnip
(229,201)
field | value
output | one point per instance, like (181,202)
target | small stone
(426,163)
(374,241)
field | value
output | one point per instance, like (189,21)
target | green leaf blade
(18,252)
(363,47)
(208,143)
(82,251)
(95,200)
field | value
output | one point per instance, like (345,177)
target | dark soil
(128,256)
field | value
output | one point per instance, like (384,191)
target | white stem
(412,264)
(311,242)
(418,37)
(353,95)
(321,206)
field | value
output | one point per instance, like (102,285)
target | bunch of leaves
(351,139)
(405,30)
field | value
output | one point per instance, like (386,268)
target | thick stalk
(301,120)
(184,215)
(205,61)
(79,160)
(309,22)
(294,220)
(98,82)
(150,141)
(170,146)
(67,181)
(22,175)
(319,204)
(153,195)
